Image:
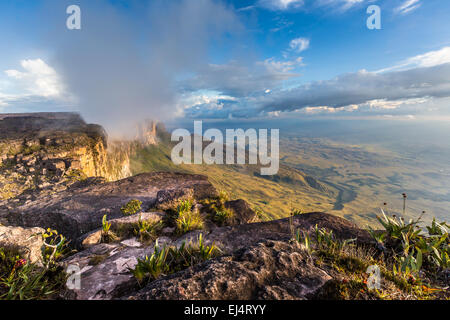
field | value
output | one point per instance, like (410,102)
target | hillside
(275,196)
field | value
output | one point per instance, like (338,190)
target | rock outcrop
(271,270)
(233,238)
(28,240)
(80,209)
(41,150)
(105,269)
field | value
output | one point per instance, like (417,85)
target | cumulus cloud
(35,86)
(37,78)
(408,6)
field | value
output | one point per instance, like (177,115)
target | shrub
(132,207)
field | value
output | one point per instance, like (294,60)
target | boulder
(80,209)
(270,270)
(243,213)
(28,240)
(124,225)
(105,270)
(170,199)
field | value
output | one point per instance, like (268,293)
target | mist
(120,69)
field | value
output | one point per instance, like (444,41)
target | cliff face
(43,149)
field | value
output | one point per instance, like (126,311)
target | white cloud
(299,44)
(281,4)
(429,59)
(37,78)
(408,6)
(239,80)
(35,86)
(274,66)
(342,5)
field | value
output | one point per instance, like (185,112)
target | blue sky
(226,59)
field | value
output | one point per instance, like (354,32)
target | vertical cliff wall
(55,149)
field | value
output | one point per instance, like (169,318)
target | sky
(235,59)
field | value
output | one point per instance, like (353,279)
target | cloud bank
(413,82)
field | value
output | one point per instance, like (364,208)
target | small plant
(409,264)
(437,229)
(185,206)
(412,248)
(218,211)
(224,216)
(397,228)
(132,207)
(296,212)
(169,260)
(147,231)
(304,239)
(55,247)
(223,197)
(379,237)
(323,236)
(107,234)
(188,219)
(154,266)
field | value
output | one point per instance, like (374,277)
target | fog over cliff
(121,69)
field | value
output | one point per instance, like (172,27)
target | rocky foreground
(258,261)
(168,235)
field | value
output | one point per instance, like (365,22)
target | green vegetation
(168,260)
(296,212)
(413,248)
(76,175)
(411,264)
(217,210)
(131,207)
(187,218)
(147,231)
(107,234)
(273,198)
(22,280)
(55,247)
